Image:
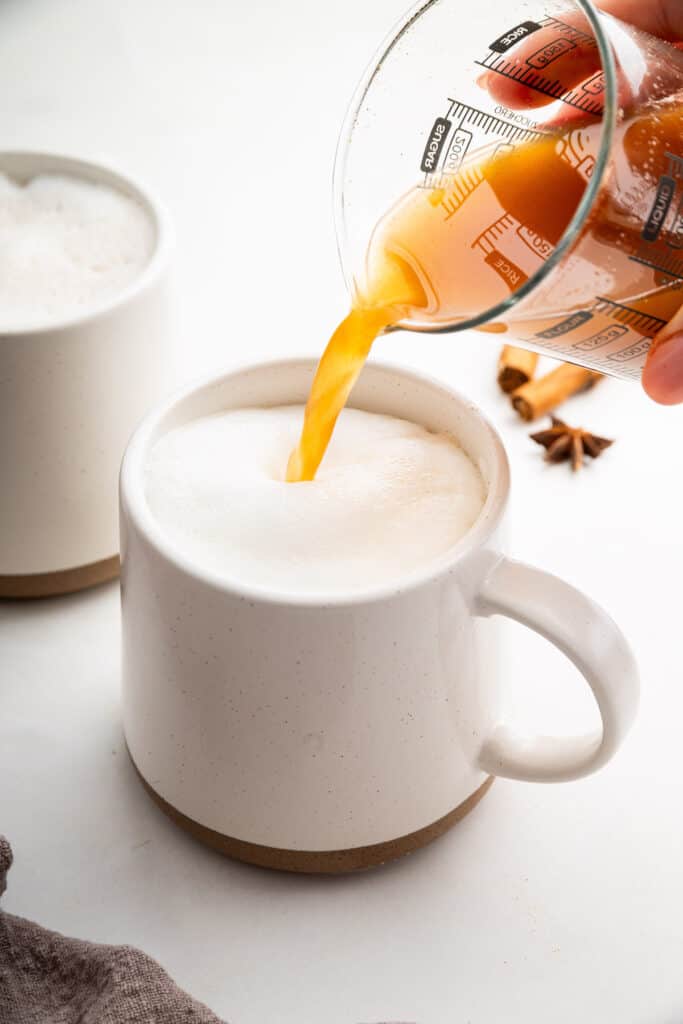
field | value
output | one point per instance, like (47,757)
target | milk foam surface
(388,498)
(66,246)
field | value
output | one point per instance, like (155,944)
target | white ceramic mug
(322,734)
(71,394)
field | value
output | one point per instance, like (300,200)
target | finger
(576,70)
(546,63)
(567,116)
(663,373)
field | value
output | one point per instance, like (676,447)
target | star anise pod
(563,442)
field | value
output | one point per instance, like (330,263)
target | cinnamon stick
(539,396)
(516,366)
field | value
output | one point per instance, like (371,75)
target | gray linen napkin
(46,978)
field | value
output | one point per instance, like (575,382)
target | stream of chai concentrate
(423,259)
(397,293)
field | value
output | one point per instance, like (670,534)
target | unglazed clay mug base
(71,394)
(335,732)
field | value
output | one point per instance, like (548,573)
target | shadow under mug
(330,733)
(71,393)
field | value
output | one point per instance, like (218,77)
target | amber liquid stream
(422,267)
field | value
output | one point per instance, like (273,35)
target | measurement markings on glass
(565,326)
(634,351)
(512,249)
(666,190)
(675,165)
(643,323)
(675,239)
(604,337)
(539,245)
(659,245)
(459,189)
(566,37)
(626,338)
(665,262)
(462,114)
(488,242)
(488,239)
(452,135)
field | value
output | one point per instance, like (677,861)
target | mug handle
(587,635)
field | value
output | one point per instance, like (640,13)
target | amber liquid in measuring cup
(454,247)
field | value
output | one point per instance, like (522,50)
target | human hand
(663,373)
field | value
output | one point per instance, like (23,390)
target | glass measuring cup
(592,110)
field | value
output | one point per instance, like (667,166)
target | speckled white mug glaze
(71,394)
(319,724)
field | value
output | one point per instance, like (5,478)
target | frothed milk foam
(66,246)
(389,497)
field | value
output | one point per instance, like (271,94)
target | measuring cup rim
(608,125)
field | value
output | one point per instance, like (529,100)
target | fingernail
(663,373)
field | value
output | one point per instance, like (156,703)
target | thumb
(663,373)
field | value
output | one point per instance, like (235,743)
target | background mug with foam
(315,732)
(75,376)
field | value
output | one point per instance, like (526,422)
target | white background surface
(558,903)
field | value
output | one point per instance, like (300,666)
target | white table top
(549,903)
